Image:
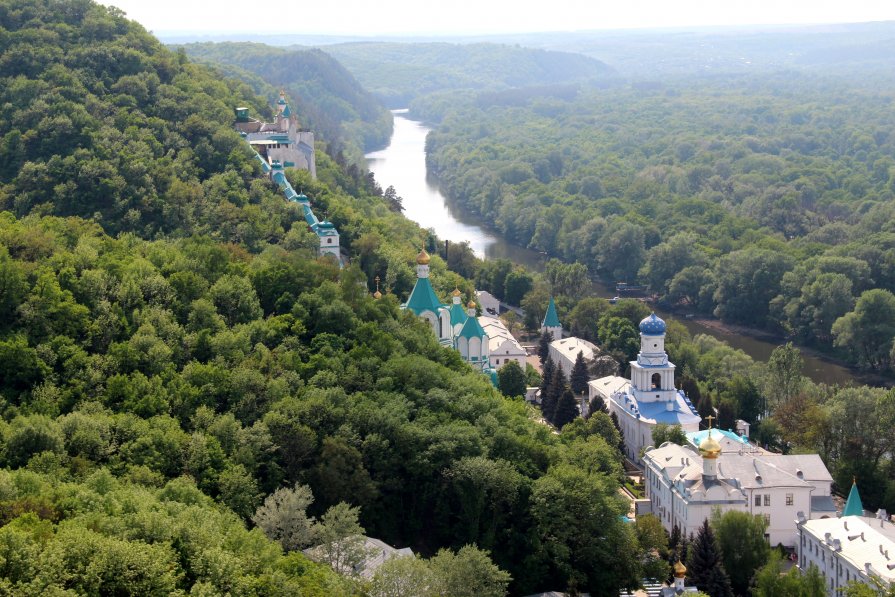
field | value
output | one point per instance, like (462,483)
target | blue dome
(652,326)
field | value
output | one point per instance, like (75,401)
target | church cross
(710,418)
(377,283)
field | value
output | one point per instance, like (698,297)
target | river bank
(402,164)
(859,375)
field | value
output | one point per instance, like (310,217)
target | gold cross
(710,418)
(377,283)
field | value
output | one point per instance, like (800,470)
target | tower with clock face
(652,376)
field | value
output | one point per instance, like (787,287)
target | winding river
(403,165)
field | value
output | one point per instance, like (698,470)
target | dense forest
(399,72)
(172,351)
(766,202)
(330,101)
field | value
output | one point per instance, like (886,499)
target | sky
(437,17)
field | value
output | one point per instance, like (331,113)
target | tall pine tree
(704,567)
(596,404)
(546,377)
(544,346)
(566,409)
(578,378)
(554,393)
(621,434)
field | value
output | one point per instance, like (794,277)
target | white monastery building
(649,396)
(564,352)
(854,547)
(502,346)
(684,484)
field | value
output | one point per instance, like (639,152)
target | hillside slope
(330,100)
(398,72)
(172,351)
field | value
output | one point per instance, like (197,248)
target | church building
(453,325)
(280,141)
(649,396)
(551,323)
(684,484)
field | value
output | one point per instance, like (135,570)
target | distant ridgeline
(280,145)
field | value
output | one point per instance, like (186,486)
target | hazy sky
(371,17)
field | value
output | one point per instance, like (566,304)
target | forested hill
(330,101)
(398,72)
(188,395)
(767,201)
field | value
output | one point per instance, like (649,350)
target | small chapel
(452,324)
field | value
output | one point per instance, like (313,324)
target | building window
(767,499)
(329,240)
(789,499)
(657,381)
(758,499)
(767,518)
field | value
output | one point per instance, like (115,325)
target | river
(403,165)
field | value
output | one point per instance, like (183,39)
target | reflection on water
(403,165)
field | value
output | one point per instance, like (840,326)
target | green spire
(472,329)
(853,506)
(551,319)
(423,298)
(458,314)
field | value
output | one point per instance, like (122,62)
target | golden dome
(423,258)
(377,295)
(471,305)
(680,571)
(709,447)
(456,292)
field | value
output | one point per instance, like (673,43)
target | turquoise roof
(652,326)
(853,506)
(696,437)
(458,314)
(287,112)
(551,319)
(491,372)
(310,218)
(423,297)
(472,329)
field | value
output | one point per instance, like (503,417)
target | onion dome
(423,258)
(680,571)
(456,292)
(652,326)
(471,305)
(709,447)
(377,295)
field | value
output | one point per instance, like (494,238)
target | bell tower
(652,375)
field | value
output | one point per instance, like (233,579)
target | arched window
(657,381)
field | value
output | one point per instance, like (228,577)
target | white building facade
(851,548)
(502,345)
(564,352)
(649,397)
(778,487)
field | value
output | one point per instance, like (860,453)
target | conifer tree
(621,434)
(554,393)
(544,346)
(675,537)
(579,377)
(704,566)
(596,405)
(546,377)
(566,409)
